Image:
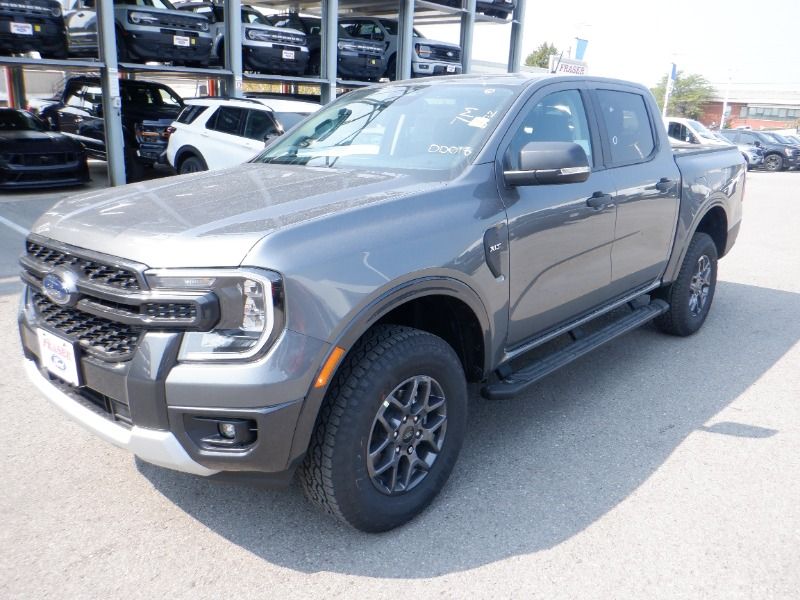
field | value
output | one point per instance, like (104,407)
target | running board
(518,381)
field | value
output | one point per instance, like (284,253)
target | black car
(32,25)
(357,58)
(777,155)
(148,108)
(31,156)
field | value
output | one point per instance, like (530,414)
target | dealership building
(757,106)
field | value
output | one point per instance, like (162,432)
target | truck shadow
(537,470)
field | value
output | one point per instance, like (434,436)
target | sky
(748,42)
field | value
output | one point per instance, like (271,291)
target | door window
(227,120)
(259,125)
(747,138)
(630,135)
(558,117)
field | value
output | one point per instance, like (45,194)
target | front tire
(773,162)
(389,431)
(691,294)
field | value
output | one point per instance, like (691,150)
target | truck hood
(212,219)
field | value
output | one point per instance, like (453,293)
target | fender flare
(366,317)
(674,264)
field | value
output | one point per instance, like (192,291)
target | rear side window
(228,119)
(747,138)
(259,125)
(630,135)
(190,113)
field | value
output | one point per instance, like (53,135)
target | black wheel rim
(407,435)
(700,286)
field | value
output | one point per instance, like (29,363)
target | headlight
(788,151)
(347,46)
(56,11)
(141,17)
(204,26)
(250,307)
(423,51)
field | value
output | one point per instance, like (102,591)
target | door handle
(665,184)
(599,200)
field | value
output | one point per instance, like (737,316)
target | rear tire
(192,164)
(691,294)
(389,431)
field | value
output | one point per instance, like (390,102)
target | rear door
(643,171)
(560,246)
(222,144)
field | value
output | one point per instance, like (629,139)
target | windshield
(701,130)
(781,139)
(408,126)
(251,16)
(17,120)
(770,138)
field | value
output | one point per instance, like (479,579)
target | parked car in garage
(265,48)
(32,156)
(148,108)
(429,57)
(32,25)
(500,9)
(777,156)
(146,30)
(214,133)
(357,59)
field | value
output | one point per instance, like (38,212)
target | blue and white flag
(580,48)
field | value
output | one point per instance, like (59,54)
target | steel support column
(405,40)
(329,50)
(233,48)
(15,87)
(467,28)
(515,46)
(112,103)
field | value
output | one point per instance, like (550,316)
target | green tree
(541,56)
(689,94)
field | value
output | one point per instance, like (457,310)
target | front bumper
(424,69)
(161,47)
(270,58)
(14,176)
(163,410)
(151,445)
(48,36)
(360,66)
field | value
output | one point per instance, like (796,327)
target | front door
(560,246)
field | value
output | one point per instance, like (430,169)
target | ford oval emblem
(61,287)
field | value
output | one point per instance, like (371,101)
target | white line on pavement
(18,228)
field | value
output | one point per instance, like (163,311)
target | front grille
(178,22)
(170,310)
(445,54)
(107,339)
(39,159)
(95,271)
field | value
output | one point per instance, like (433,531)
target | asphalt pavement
(655,468)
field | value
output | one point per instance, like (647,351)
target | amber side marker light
(329,367)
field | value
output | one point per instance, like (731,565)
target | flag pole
(668,89)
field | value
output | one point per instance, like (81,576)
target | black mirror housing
(545,163)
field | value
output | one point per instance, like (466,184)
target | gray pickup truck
(322,308)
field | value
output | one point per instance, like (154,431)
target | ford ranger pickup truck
(321,309)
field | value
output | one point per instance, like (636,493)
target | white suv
(215,133)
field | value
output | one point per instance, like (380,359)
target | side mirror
(546,163)
(97,110)
(270,135)
(757,144)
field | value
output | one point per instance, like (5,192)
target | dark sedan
(31,156)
